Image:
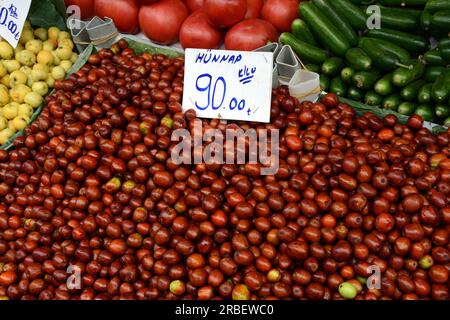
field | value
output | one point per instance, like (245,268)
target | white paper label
(232,85)
(13,14)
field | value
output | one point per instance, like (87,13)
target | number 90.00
(212,96)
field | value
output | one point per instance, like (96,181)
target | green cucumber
(358,59)
(384,55)
(355,94)
(440,91)
(372,98)
(327,33)
(424,94)
(324,82)
(444,48)
(446,122)
(393,48)
(425,111)
(338,20)
(425,20)
(433,72)
(437,5)
(398,19)
(442,111)
(399,12)
(433,58)
(332,66)
(410,92)
(384,85)
(304,50)
(301,31)
(402,77)
(445,42)
(366,79)
(406,108)
(413,12)
(444,52)
(412,43)
(312,67)
(392,101)
(347,74)
(354,15)
(338,86)
(441,20)
(403,2)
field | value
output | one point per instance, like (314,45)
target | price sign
(230,85)
(13,14)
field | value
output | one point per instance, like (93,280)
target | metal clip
(287,64)
(102,33)
(275,48)
(79,33)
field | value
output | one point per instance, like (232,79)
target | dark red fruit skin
(93,185)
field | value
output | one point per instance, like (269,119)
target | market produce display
(238,24)
(396,65)
(93,204)
(28,72)
(92,185)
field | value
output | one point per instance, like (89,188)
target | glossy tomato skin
(194,5)
(161,21)
(253,9)
(250,34)
(197,32)
(123,12)
(86,7)
(143,2)
(225,13)
(280,13)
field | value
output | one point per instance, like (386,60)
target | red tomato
(280,13)
(225,13)
(253,9)
(86,7)
(161,21)
(250,34)
(142,2)
(196,32)
(193,5)
(123,12)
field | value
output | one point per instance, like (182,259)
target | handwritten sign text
(229,85)
(12,18)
